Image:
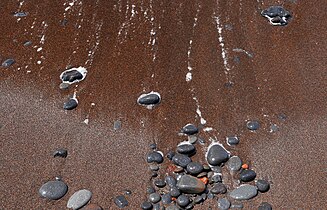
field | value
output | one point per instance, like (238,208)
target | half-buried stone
(247,175)
(244,192)
(217,154)
(181,160)
(277,15)
(71,104)
(149,100)
(190,129)
(190,185)
(265,206)
(8,62)
(183,200)
(194,168)
(253,125)
(73,75)
(154,157)
(79,199)
(218,188)
(186,148)
(262,185)
(232,140)
(53,190)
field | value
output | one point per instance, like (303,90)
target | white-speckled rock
(244,192)
(79,199)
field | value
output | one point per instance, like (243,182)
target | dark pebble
(154,197)
(223,204)
(20,14)
(28,43)
(175,192)
(153,146)
(188,149)
(232,140)
(198,199)
(117,125)
(53,190)
(7,63)
(128,192)
(237,206)
(160,183)
(265,206)
(166,198)
(210,196)
(234,164)
(277,15)
(170,155)
(190,129)
(218,188)
(183,200)
(190,185)
(216,169)
(181,160)
(262,185)
(154,157)
(194,168)
(189,207)
(150,190)
(146,205)
(121,201)
(60,153)
(70,104)
(157,206)
(204,196)
(154,167)
(149,99)
(253,125)
(154,174)
(71,76)
(247,175)
(282,116)
(217,155)
(201,141)
(171,181)
(64,86)
(216,178)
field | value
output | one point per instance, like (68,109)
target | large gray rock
(217,155)
(189,184)
(244,192)
(79,199)
(53,190)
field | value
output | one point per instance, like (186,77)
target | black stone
(128,192)
(277,15)
(194,168)
(218,188)
(160,183)
(183,200)
(154,174)
(198,199)
(190,129)
(153,146)
(170,155)
(150,190)
(247,175)
(166,198)
(7,63)
(216,178)
(262,185)
(149,99)
(217,155)
(121,201)
(175,192)
(71,76)
(146,205)
(265,206)
(70,104)
(188,149)
(60,153)
(210,195)
(253,125)
(190,206)
(232,140)
(170,181)
(20,14)
(181,160)
(154,197)
(154,157)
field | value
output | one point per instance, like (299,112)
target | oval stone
(70,104)
(218,188)
(223,204)
(190,129)
(244,192)
(247,175)
(188,149)
(7,63)
(253,125)
(181,160)
(71,76)
(154,157)
(79,199)
(217,155)
(194,168)
(262,185)
(234,163)
(149,99)
(189,184)
(154,197)
(265,206)
(53,190)
(92,207)
(183,200)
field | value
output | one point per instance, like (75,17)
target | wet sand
(129,50)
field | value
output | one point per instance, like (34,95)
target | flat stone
(234,163)
(253,125)
(232,140)
(190,129)
(265,206)
(146,205)
(70,104)
(181,160)
(237,206)
(166,198)
(71,76)
(175,192)
(154,197)
(79,199)
(198,199)
(190,185)
(8,62)
(92,207)
(216,178)
(121,201)
(155,157)
(171,181)
(60,153)
(160,183)
(247,175)
(20,14)
(183,200)
(223,204)
(188,149)
(63,86)
(172,207)
(53,190)
(262,185)
(244,192)
(194,168)
(202,174)
(217,155)
(154,167)
(277,15)
(28,43)
(192,139)
(150,190)
(189,207)
(218,188)
(151,98)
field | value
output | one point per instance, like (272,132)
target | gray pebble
(194,168)
(155,157)
(166,198)
(20,14)
(198,199)
(217,155)
(265,206)
(190,206)
(232,140)
(175,192)
(117,125)
(183,200)
(154,167)
(216,178)
(53,190)
(170,155)
(150,190)
(28,43)
(223,204)
(277,15)
(247,175)
(244,192)
(201,141)
(121,201)
(154,197)
(181,160)
(172,207)
(70,104)
(153,146)
(192,139)
(218,188)
(157,206)
(171,181)
(210,195)
(202,174)
(146,205)
(253,125)
(234,163)
(160,183)
(60,153)
(216,169)
(7,63)
(188,149)
(79,199)
(191,185)
(63,86)
(237,206)
(262,185)
(190,129)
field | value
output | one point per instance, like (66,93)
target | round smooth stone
(218,188)
(253,125)
(181,160)
(60,153)
(150,190)
(262,185)
(190,129)
(175,192)
(156,206)
(190,185)
(247,175)
(53,190)
(70,104)
(232,140)
(198,199)
(189,207)
(71,76)
(146,205)
(149,99)
(216,169)
(187,149)
(265,206)
(194,168)
(244,192)
(170,155)
(171,181)
(217,155)
(160,183)
(234,163)
(154,197)
(64,86)
(166,199)
(154,157)
(79,199)
(183,200)
(192,139)
(154,167)
(223,204)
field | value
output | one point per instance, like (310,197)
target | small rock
(223,204)
(210,195)
(154,174)
(217,155)
(191,185)
(28,43)
(20,14)
(147,99)
(216,169)
(53,190)
(206,167)
(73,75)
(188,149)
(79,199)
(175,192)
(154,167)
(253,125)
(194,168)
(128,192)
(157,206)
(153,146)
(201,141)
(63,86)
(155,157)
(190,129)
(150,190)
(262,185)
(202,174)
(198,199)
(183,200)
(171,181)
(237,206)
(92,207)
(154,197)
(146,205)
(277,15)
(216,178)
(218,188)
(265,206)
(166,199)
(282,116)
(70,104)
(189,207)
(232,140)
(192,139)
(172,207)
(247,175)
(234,163)
(7,63)
(60,153)
(117,125)
(170,155)
(160,183)
(244,192)
(121,201)
(181,160)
